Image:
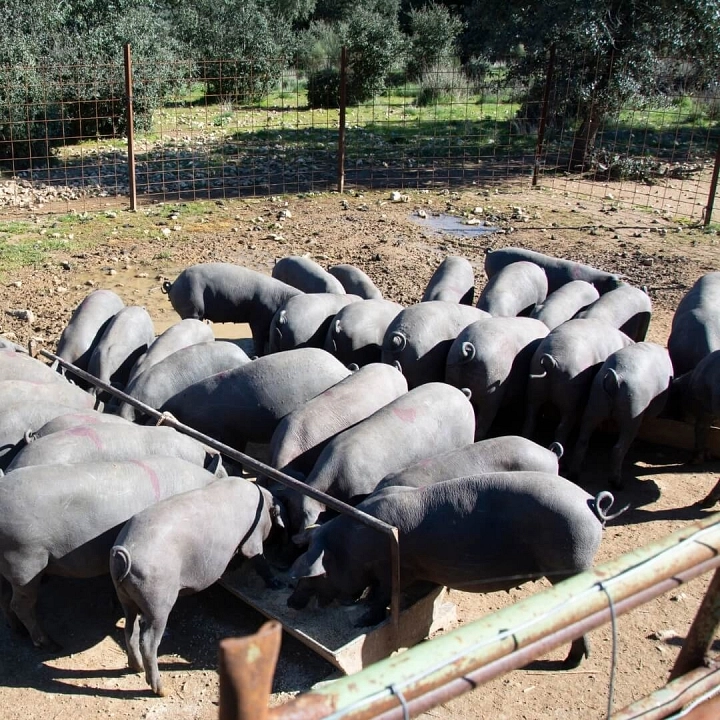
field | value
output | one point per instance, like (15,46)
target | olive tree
(606,51)
(433,32)
(241,47)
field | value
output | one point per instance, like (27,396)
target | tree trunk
(584,140)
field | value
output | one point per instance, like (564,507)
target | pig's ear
(278,514)
(304,568)
(318,567)
(215,466)
(304,537)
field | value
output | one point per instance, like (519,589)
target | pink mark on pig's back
(407,415)
(153,477)
(87,432)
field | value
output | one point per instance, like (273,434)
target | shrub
(443,84)
(62,78)
(243,47)
(323,88)
(93,84)
(320,45)
(373,43)
(433,34)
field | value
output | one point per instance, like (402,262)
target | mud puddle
(443,223)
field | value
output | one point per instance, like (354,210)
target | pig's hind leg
(152,627)
(22,605)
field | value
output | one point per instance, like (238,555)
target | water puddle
(443,223)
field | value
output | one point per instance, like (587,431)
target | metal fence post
(702,631)
(543,114)
(713,188)
(130,119)
(341,129)
(246,669)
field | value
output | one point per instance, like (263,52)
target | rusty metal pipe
(261,468)
(671,697)
(342,119)
(713,189)
(458,659)
(246,668)
(543,115)
(522,656)
(708,710)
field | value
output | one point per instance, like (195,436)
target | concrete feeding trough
(674,433)
(330,631)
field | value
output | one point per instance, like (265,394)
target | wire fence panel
(214,129)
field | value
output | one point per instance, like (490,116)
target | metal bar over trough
(458,661)
(261,468)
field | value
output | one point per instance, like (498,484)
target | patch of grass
(27,252)
(187,211)
(16,227)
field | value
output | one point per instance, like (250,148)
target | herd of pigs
(395,410)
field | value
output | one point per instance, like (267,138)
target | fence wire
(213,130)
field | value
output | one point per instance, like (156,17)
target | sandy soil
(133,252)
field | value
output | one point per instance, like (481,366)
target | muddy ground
(132,253)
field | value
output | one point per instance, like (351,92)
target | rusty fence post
(702,631)
(246,668)
(713,188)
(130,119)
(543,115)
(341,128)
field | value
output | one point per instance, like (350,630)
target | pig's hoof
(578,651)
(160,691)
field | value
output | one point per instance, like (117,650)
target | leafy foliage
(606,50)
(444,83)
(342,10)
(323,88)
(433,33)
(319,46)
(61,71)
(242,49)
(373,44)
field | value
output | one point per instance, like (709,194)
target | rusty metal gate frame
(440,669)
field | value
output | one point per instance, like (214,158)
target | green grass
(22,253)
(16,227)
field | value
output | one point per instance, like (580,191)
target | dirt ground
(132,253)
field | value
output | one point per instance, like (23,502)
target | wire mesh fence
(215,129)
